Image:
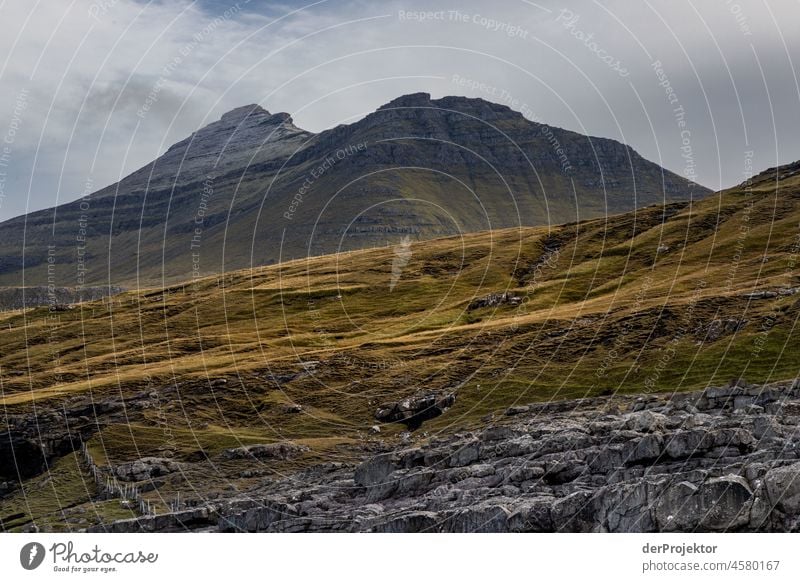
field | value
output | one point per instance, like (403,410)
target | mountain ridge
(426,168)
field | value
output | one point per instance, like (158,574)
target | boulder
(375,470)
(415,410)
(532,515)
(783,488)
(146,468)
(483,517)
(718,504)
(645,421)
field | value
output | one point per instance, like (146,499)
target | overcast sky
(76,76)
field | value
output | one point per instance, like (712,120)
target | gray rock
(146,468)
(375,471)
(719,504)
(783,488)
(645,421)
(532,516)
(486,517)
(466,454)
(412,522)
(578,466)
(283,451)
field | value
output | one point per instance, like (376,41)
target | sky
(92,90)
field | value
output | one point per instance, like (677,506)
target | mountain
(253,189)
(515,369)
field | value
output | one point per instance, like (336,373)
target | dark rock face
(725,459)
(415,410)
(33,442)
(20,458)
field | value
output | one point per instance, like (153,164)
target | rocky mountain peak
(249,126)
(473,106)
(248,116)
(410,100)
(240,113)
(243,136)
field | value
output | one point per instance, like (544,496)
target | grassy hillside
(666,298)
(603,302)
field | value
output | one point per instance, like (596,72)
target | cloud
(90,67)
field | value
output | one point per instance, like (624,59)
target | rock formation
(725,459)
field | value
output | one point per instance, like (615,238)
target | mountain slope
(636,280)
(254,189)
(304,357)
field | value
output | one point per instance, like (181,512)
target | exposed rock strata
(725,459)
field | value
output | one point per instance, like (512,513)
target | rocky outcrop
(146,468)
(283,451)
(725,459)
(20,457)
(416,409)
(30,443)
(493,300)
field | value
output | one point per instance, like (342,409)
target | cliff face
(252,189)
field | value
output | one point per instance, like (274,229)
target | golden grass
(598,317)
